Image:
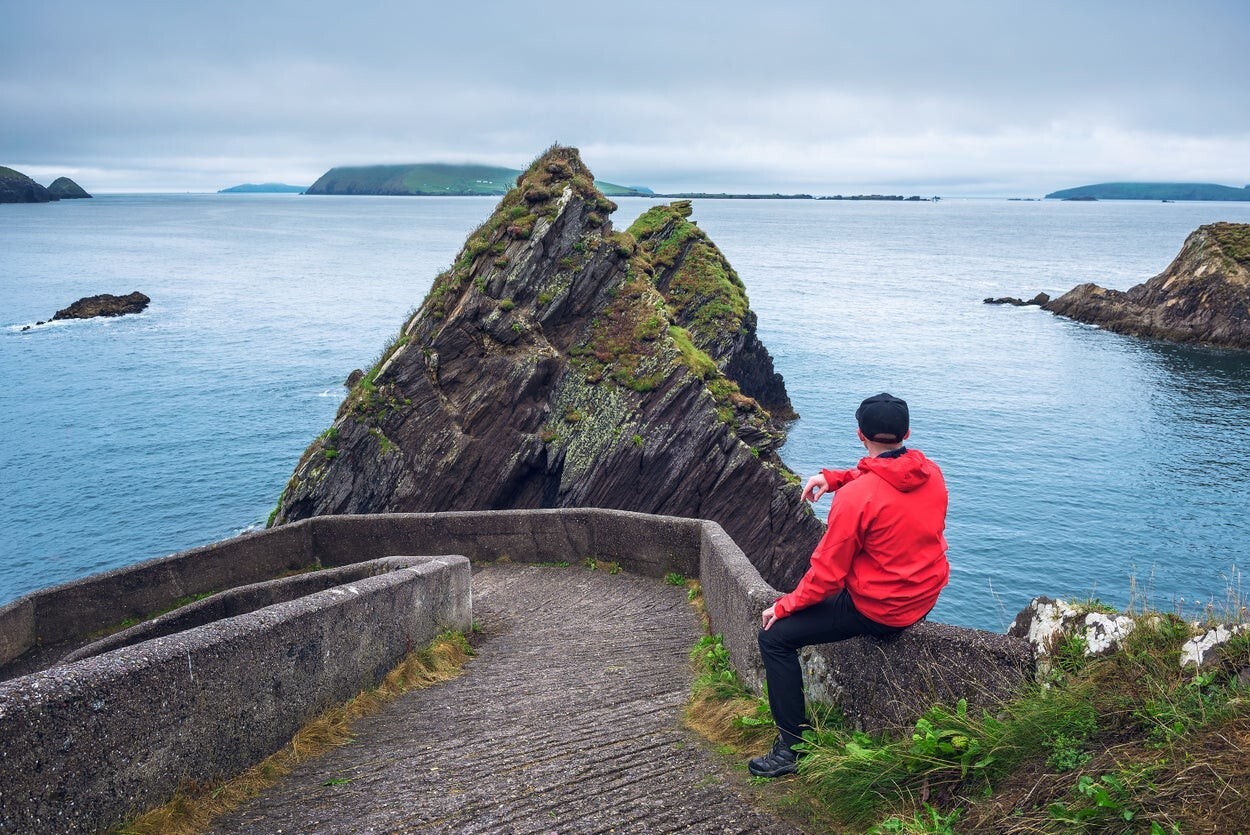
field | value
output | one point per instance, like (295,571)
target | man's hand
(769,617)
(816,487)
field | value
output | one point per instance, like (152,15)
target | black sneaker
(776,763)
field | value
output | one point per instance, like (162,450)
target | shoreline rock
(1203,297)
(1039,300)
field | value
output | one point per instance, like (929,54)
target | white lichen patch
(1104,633)
(1198,650)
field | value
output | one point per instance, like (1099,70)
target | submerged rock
(104,304)
(561,364)
(63,188)
(1202,297)
(1039,299)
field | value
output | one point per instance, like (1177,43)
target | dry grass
(194,805)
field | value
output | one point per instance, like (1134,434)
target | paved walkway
(566,721)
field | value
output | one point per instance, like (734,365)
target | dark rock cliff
(1202,297)
(63,188)
(560,364)
(16,187)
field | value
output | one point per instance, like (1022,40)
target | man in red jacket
(877,570)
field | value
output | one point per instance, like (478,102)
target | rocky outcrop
(1054,627)
(63,188)
(104,304)
(16,187)
(1202,297)
(1039,299)
(561,364)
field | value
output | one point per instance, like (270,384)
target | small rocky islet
(104,304)
(16,187)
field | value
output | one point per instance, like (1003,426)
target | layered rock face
(560,364)
(63,188)
(1202,297)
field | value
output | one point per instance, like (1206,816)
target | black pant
(832,619)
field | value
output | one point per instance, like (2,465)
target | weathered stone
(104,304)
(1044,623)
(887,684)
(1202,297)
(1039,299)
(558,364)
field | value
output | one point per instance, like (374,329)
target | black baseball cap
(883,418)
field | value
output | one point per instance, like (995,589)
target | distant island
(1152,191)
(436,179)
(263,188)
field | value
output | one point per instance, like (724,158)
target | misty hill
(1152,191)
(263,188)
(63,188)
(433,178)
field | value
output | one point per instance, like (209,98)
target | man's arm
(827,481)
(831,561)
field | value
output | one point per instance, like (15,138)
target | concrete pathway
(567,721)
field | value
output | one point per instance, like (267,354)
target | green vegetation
(703,294)
(624,337)
(1129,742)
(1152,191)
(674,579)
(430,179)
(1234,240)
(596,564)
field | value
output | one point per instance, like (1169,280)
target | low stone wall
(878,684)
(83,745)
(215,686)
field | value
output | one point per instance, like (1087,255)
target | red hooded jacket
(884,542)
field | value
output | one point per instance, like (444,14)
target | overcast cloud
(951,98)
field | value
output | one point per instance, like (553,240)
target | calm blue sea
(1081,463)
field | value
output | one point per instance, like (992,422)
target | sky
(929,97)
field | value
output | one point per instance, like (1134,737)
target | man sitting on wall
(877,570)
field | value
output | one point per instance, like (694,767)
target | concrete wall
(213,687)
(85,744)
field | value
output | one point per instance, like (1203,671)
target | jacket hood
(904,473)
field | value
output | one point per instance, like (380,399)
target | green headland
(1152,191)
(435,178)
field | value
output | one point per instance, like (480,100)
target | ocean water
(1080,463)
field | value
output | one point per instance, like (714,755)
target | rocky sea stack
(63,188)
(1202,297)
(561,364)
(16,187)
